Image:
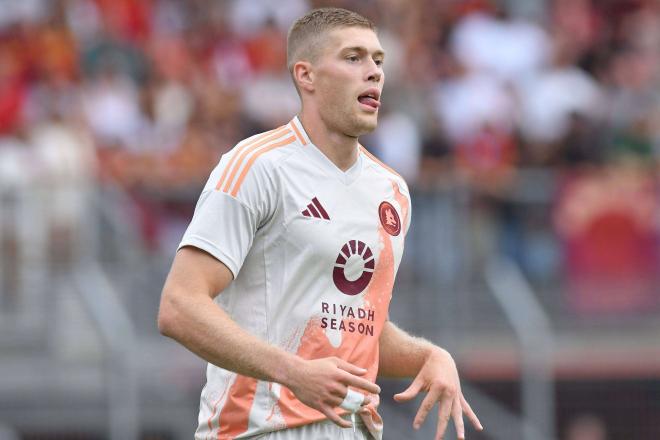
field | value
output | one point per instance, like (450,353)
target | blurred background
(529,134)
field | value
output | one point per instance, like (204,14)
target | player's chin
(368,123)
(361,123)
(359,129)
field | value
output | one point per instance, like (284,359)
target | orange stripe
(254,157)
(278,133)
(375,159)
(295,128)
(231,162)
(235,415)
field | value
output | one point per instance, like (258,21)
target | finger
(427,405)
(366,401)
(470,414)
(339,390)
(410,392)
(457,416)
(444,415)
(362,383)
(333,401)
(330,414)
(353,369)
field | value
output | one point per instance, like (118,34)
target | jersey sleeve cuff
(212,249)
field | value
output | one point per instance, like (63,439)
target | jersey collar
(312,151)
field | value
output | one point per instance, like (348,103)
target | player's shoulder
(266,147)
(256,155)
(381,169)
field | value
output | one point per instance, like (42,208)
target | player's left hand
(439,378)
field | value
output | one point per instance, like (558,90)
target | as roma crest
(389,218)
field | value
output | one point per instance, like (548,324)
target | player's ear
(303,75)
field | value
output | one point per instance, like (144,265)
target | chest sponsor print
(354,267)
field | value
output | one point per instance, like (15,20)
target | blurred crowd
(145,95)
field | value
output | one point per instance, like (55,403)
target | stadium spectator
(164,87)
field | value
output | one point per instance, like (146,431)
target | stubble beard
(354,124)
(341,115)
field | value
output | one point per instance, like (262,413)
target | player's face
(349,80)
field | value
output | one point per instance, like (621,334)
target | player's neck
(340,149)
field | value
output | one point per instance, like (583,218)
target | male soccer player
(298,235)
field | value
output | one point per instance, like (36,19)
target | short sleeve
(225,224)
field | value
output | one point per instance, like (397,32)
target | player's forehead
(353,37)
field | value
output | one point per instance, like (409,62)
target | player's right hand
(322,384)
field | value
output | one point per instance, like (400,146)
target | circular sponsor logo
(389,218)
(354,267)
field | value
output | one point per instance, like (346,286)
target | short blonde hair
(305,38)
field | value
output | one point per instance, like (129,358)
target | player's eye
(353,58)
(379,62)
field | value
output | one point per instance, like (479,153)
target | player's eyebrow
(362,50)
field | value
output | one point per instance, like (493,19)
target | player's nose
(375,72)
(375,77)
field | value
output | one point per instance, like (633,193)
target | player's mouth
(370,99)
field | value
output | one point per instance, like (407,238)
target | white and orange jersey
(314,251)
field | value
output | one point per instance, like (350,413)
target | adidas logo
(315,209)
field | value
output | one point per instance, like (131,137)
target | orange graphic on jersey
(354,348)
(235,413)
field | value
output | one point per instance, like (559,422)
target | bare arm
(401,355)
(434,370)
(189,315)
